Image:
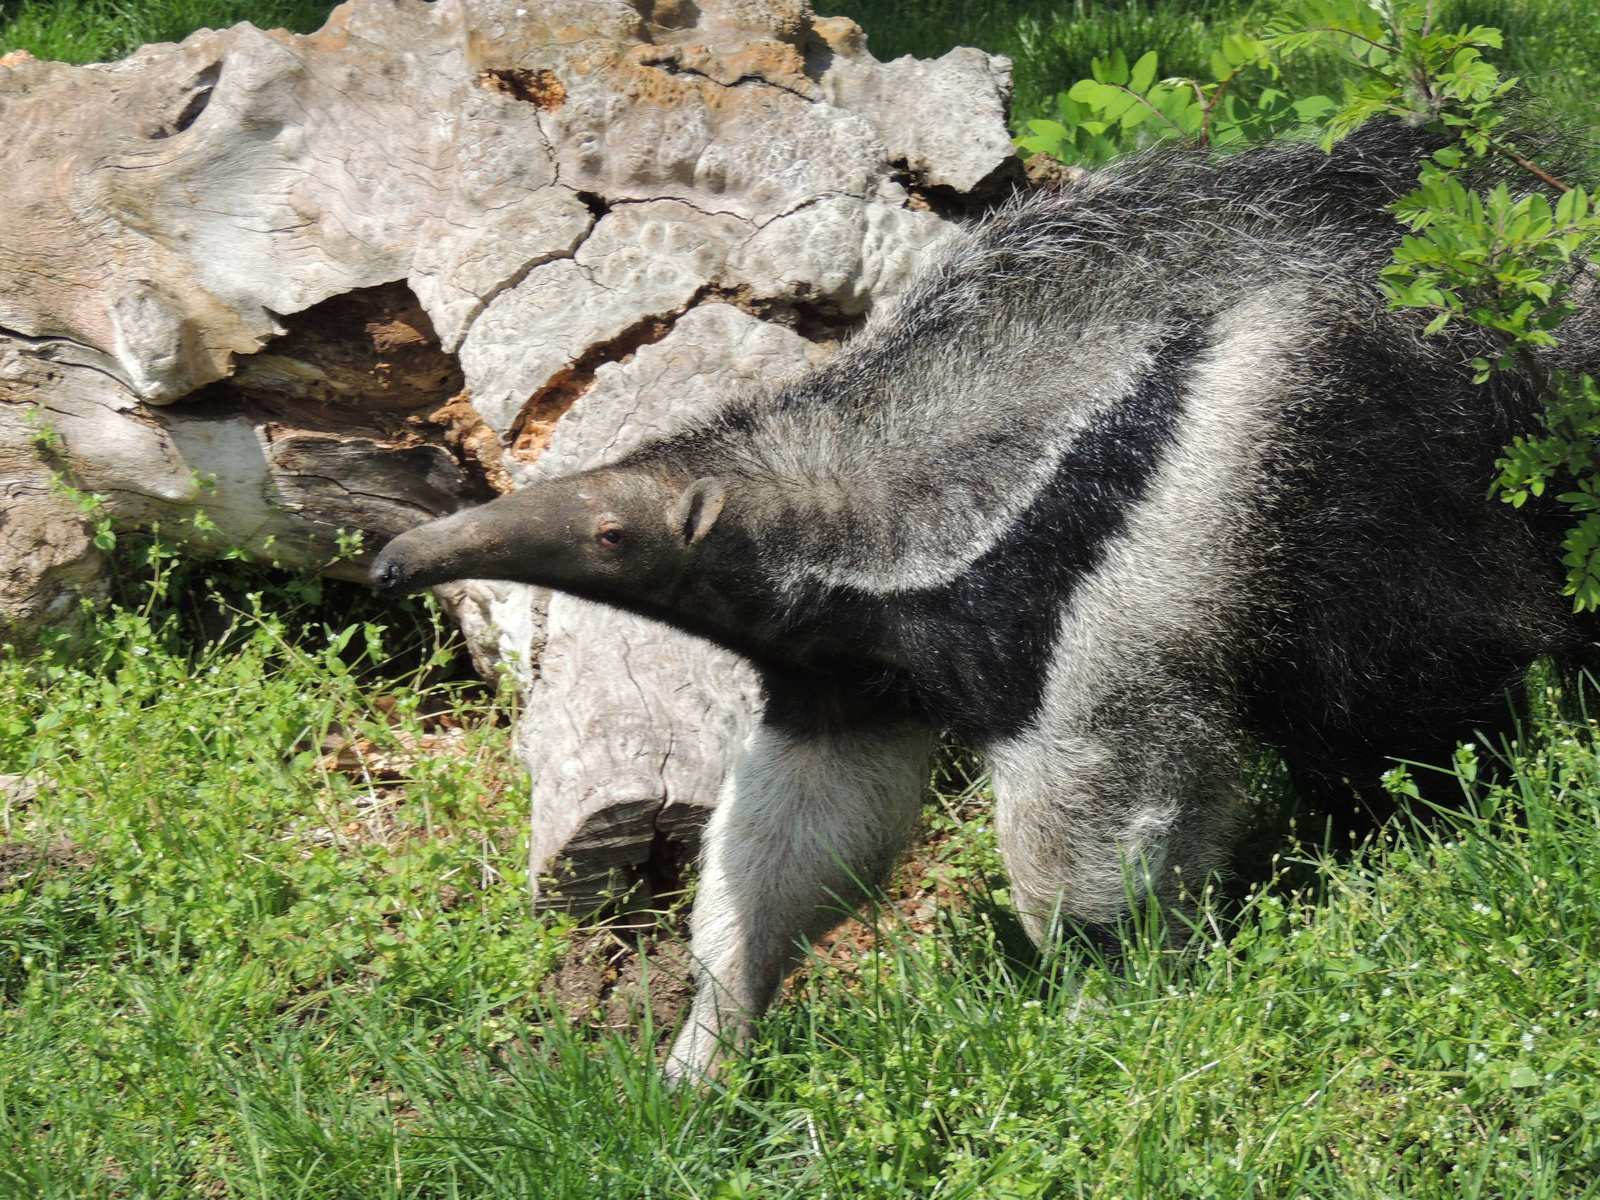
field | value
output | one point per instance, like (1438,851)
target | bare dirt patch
(22,861)
(612,978)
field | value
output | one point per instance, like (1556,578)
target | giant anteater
(1132,476)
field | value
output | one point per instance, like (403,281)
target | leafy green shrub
(1505,259)
(1122,106)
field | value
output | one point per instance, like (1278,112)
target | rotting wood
(340,283)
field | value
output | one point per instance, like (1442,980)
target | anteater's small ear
(697,509)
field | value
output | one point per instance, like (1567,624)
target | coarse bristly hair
(1201,337)
(1134,475)
(1131,477)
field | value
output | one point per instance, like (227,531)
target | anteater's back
(1174,388)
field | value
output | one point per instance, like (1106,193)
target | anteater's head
(611,534)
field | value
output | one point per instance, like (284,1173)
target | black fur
(1129,478)
(1395,600)
(978,647)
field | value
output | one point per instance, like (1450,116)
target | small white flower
(1478,1056)
(1032,1004)
(1527,1041)
(1538,1029)
(1387,992)
(1344,1018)
(927,1104)
(955,1092)
(860,1096)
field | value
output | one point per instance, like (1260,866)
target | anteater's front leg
(810,824)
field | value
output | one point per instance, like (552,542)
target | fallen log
(325,287)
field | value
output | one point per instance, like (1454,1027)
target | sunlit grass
(101,30)
(238,964)
(251,970)
(1554,44)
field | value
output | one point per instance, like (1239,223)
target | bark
(341,283)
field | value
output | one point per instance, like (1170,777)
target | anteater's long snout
(398,566)
(503,539)
(386,574)
(465,545)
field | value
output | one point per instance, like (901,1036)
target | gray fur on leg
(808,826)
(1091,821)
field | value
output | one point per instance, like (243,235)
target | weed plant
(1554,44)
(234,969)
(260,938)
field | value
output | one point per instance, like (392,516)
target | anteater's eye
(611,536)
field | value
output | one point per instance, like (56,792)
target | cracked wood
(351,280)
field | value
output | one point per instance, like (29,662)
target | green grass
(248,975)
(1554,44)
(245,970)
(1050,44)
(82,31)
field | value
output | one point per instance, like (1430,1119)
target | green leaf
(1572,207)
(1040,145)
(1313,107)
(1111,70)
(1116,104)
(1172,102)
(1086,91)
(1523,1076)
(1144,72)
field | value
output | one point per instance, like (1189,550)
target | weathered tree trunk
(353,280)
